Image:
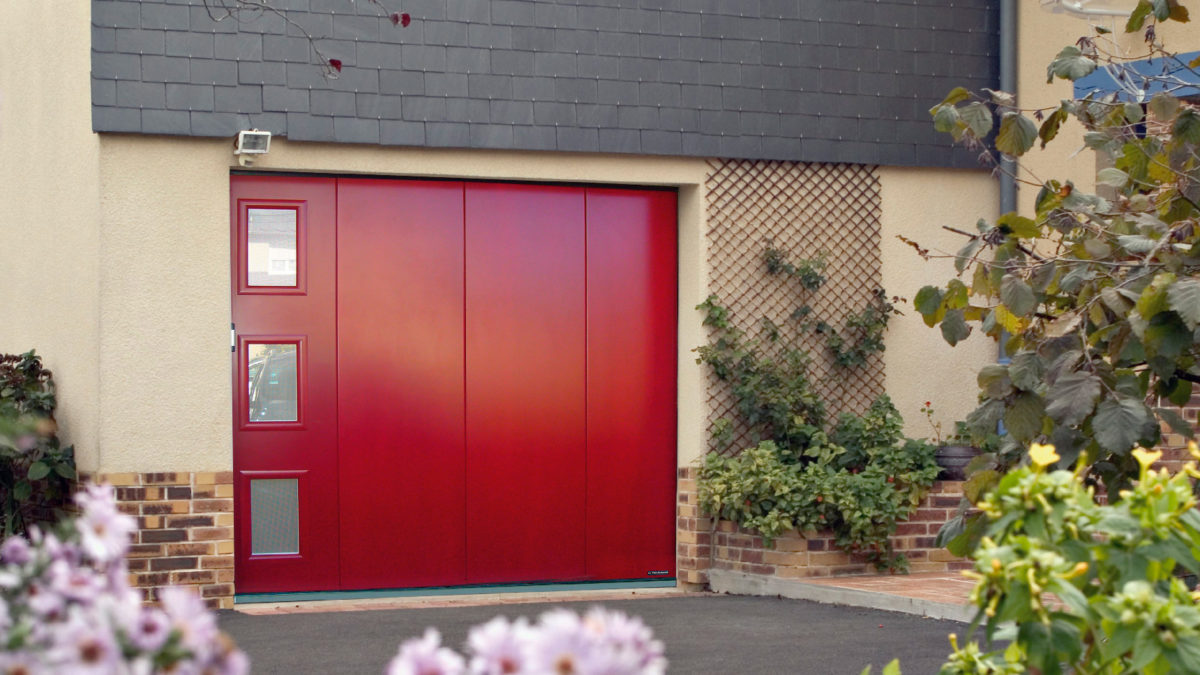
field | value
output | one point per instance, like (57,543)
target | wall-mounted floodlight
(1091,8)
(249,143)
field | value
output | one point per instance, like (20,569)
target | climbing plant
(856,476)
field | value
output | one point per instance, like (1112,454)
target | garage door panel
(525,383)
(631,403)
(299,317)
(400,415)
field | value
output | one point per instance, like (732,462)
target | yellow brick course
(197,548)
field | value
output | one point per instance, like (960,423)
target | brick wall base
(725,545)
(185,531)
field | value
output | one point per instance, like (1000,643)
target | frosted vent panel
(271,247)
(274,516)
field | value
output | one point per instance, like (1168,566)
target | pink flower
(15,551)
(20,662)
(103,530)
(45,603)
(630,641)
(74,584)
(150,629)
(561,644)
(196,625)
(498,647)
(83,646)
(426,656)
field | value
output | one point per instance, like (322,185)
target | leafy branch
(1097,295)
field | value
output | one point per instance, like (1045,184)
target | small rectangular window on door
(272,377)
(271,247)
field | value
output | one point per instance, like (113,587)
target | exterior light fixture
(249,143)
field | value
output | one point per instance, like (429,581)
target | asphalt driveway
(707,634)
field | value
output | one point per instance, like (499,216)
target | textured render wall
(165,369)
(920,366)
(49,190)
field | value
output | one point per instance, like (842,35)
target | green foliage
(857,477)
(1097,296)
(810,273)
(771,386)
(1121,607)
(857,481)
(863,335)
(892,668)
(36,472)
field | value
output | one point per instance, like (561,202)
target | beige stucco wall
(49,190)
(919,365)
(165,371)
(1041,35)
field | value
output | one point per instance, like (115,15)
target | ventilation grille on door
(805,209)
(274,516)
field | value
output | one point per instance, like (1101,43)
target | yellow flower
(1193,449)
(1042,455)
(1146,457)
(1078,569)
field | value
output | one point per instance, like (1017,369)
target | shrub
(1121,608)
(36,472)
(861,479)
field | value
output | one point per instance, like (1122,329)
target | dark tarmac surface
(717,634)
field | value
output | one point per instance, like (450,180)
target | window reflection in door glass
(271,247)
(271,370)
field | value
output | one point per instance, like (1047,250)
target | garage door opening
(448,383)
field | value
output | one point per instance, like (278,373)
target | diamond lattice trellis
(806,210)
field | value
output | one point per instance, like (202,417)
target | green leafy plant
(1118,605)
(36,472)
(862,332)
(857,486)
(857,477)
(1096,296)
(809,272)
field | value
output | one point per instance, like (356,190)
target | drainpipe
(1008,83)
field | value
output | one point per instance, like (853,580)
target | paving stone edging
(738,583)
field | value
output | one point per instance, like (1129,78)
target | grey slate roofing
(806,80)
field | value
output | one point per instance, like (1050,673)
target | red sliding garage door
(445,383)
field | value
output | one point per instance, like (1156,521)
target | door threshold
(441,591)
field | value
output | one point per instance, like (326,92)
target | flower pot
(954,460)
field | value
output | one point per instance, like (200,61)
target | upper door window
(271,236)
(271,247)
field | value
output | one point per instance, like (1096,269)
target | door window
(272,381)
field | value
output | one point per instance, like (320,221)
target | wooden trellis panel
(806,210)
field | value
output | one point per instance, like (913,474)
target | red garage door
(444,383)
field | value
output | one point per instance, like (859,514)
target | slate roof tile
(819,80)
